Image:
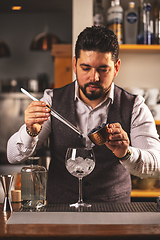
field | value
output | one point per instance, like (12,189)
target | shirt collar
(109,95)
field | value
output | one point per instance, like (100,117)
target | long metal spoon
(55,114)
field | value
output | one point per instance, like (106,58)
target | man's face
(95,72)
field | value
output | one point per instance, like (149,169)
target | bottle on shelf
(147,36)
(158,40)
(156,19)
(152,31)
(140,24)
(130,24)
(98,14)
(116,21)
(144,36)
(110,13)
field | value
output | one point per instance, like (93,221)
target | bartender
(91,100)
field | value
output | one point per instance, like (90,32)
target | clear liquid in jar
(33,186)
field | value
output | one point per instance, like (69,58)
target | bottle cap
(112,3)
(117,2)
(131,4)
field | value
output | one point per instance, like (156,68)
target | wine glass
(80,162)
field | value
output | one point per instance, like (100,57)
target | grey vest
(109,181)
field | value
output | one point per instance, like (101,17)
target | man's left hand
(118,140)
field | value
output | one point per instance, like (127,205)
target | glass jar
(33,184)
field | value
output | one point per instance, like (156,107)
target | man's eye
(86,69)
(103,69)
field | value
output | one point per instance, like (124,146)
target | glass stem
(80,191)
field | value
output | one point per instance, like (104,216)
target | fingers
(118,135)
(37,112)
(118,140)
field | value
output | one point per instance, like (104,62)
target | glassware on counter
(33,184)
(80,162)
(6,181)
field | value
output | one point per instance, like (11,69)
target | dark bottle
(144,36)
(98,14)
(157,22)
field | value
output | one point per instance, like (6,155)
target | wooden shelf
(145,193)
(141,48)
(62,55)
(61,50)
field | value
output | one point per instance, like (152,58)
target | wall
(82,17)
(18,30)
(139,70)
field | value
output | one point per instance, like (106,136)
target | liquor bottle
(140,38)
(33,184)
(98,14)
(144,36)
(152,31)
(157,22)
(147,32)
(110,13)
(116,21)
(130,24)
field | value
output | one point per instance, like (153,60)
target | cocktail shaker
(6,181)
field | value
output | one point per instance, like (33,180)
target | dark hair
(99,39)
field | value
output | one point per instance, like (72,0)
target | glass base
(37,204)
(80,204)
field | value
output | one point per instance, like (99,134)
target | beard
(94,95)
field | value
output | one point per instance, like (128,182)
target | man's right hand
(35,115)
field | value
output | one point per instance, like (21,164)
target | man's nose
(94,75)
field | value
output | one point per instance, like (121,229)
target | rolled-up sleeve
(145,143)
(20,145)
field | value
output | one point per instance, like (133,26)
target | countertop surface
(76,231)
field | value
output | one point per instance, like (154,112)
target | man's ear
(116,68)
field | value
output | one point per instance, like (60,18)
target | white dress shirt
(145,145)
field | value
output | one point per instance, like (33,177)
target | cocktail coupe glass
(6,181)
(80,162)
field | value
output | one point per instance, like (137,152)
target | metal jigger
(6,183)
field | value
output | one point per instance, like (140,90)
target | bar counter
(76,231)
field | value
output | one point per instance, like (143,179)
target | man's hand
(35,115)
(118,140)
